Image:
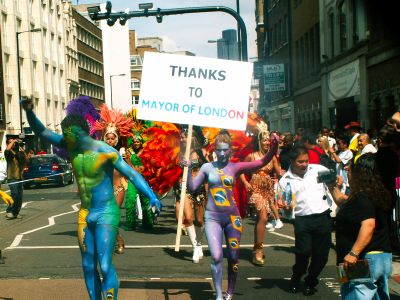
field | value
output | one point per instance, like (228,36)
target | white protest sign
(195,90)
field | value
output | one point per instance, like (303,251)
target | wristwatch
(352,253)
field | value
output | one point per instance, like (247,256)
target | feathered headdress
(81,106)
(139,126)
(113,121)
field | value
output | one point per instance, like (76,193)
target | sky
(190,32)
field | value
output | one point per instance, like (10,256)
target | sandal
(257,249)
(120,245)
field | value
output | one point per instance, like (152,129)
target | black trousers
(17,190)
(313,240)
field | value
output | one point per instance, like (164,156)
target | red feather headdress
(113,121)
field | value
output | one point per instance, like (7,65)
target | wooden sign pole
(183,189)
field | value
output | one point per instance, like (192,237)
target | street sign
(274,78)
(258,70)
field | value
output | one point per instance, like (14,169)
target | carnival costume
(222,214)
(133,195)
(99,215)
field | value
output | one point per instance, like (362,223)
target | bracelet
(352,253)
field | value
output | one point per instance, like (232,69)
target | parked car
(47,168)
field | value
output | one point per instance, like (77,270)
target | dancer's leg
(259,233)
(233,234)
(86,239)
(214,239)
(105,240)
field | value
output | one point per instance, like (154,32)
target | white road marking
(135,246)
(23,205)
(254,278)
(19,237)
(283,235)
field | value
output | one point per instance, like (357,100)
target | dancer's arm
(194,183)
(254,165)
(38,127)
(135,178)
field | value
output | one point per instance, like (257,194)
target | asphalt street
(41,260)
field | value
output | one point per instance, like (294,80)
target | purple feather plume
(81,106)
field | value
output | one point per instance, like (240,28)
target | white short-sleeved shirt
(345,156)
(311,196)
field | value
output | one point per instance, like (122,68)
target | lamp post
(226,42)
(111,76)
(19,72)
(239,37)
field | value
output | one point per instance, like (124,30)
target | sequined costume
(263,195)
(131,198)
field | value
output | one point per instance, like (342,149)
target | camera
(328,176)
(18,144)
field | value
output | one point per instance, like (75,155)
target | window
(284,29)
(342,26)
(135,84)
(4,25)
(298,58)
(331,19)
(306,53)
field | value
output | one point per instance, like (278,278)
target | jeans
(16,189)
(377,287)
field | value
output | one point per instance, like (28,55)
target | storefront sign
(344,82)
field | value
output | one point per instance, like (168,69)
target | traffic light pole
(160,13)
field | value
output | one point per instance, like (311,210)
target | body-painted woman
(99,216)
(222,215)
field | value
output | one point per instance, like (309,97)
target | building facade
(361,59)
(305,61)
(90,58)
(227,46)
(276,103)
(47,60)
(339,62)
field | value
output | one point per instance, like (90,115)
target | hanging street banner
(195,90)
(274,78)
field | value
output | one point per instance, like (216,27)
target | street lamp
(111,76)
(19,72)
(226,42)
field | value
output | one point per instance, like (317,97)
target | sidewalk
(394,283)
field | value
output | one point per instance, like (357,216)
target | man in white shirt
(343,159)
(364,144)
(312,223)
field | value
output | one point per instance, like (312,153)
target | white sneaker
(200,251)
(10,216)
(270,224)
(195,257)
(278,224)
(271,229)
